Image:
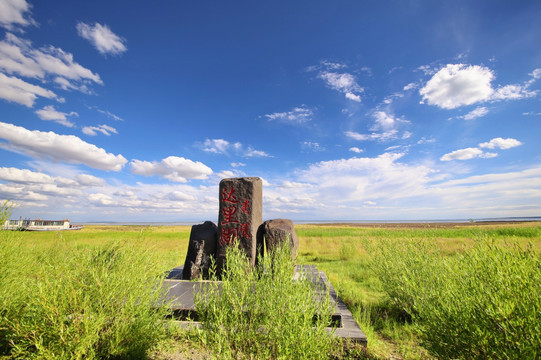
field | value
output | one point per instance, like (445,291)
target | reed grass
(262,313)
(483,303)
(51,274)
(62,301)
(390,329)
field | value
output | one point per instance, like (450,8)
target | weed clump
(67,302)
(262,313)
(482,303)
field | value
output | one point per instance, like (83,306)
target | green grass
(65,301)
(391,331)
(397,325)
(262,314)
(483,303)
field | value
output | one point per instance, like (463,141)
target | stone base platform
(180,296)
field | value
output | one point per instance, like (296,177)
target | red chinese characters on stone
(229,196)
(229,213)
(244,230)
(228,236)
(232,229)
(246,206)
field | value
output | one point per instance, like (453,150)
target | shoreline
(345,223)
(453,222)
(428,224)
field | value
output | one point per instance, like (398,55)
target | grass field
(378,270)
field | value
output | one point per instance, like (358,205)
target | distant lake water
(432,221)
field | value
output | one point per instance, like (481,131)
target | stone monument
(240,215)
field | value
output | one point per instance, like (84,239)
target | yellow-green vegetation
(62,300)
(405,283)
(261,314)
(411,288)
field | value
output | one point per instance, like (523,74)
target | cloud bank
(64,148)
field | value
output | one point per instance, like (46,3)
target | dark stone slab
(240,215)
(179,297)
(348,329)
(277,231)
(175,274)
(201,250)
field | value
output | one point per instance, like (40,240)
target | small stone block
(276,232)
(201,249)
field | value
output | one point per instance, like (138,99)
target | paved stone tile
(180,297)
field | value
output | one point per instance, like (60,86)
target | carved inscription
(239,216)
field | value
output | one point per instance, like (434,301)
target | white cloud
(15,12)
(173,168)
(332,65)
(356,150)
(383,121)
(457,85)
(297,116)
(103,39)
(65,84)
(37,189)
(383,136)
(161,202)
(16,90)
(470,153)
(356,136)
(427,69)
(462,154)
(109,114)
(410,86)
(102,200)
(89,180)
(385,128)
(312,146)
(88,198)
(181,196)
(500,143)
(366,188)
(24,176)
(104,129)
(475,113)
(342,82)
(226,174)
(65,148)
(362,179)
(237,164)
(18,56)
(221,146)
(424,140)
(250,152)
(488,155)
(536,74)
(351,189)
(513,92)
(352,96)
(50,113)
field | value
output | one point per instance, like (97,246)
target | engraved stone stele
(201,249)
(277,231)
(240,215)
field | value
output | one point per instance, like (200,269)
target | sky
(132,111)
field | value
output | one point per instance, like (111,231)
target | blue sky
(348,110)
